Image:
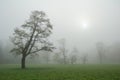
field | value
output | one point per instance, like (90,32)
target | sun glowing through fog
(84,26)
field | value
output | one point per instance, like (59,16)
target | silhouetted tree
(101,51)
(57,58)
(1,53)
(63,50)
(84,58)
(32,36)
(46,56)
(73,56)
(113,53)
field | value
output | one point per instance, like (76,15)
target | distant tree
(113,53)
(73,56)
(1,53)
(101,51)
(84,58)
(57,58)
(32,36)
(46,56)
(63,50)
(73,59)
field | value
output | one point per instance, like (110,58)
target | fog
(82,23)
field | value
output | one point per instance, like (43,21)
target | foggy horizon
(82,23)
(67,17)
(60,40)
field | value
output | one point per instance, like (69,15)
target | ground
(60,72)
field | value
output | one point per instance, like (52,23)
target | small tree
(63,50)
(101,51)
(32,36)
(73,59)
(57,58)
(84,58)
(73,56)
(1,53)
(46,57)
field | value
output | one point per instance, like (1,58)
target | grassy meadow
(60,72)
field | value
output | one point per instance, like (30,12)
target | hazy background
(102,18)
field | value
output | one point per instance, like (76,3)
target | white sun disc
(84,26)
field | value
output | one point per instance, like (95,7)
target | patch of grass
(60,72)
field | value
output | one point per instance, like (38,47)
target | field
(60,72)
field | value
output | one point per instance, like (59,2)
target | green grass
(60,72)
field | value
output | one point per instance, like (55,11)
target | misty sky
(101,18)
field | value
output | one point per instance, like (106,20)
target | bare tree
(113,53)
(1,53)
(101,51)
(84,58)
(73,59)
(32,36)
(57,58)
(73,56)
(46,56)
(63,50)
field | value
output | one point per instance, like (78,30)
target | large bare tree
(32,36)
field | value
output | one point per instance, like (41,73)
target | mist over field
(80,24)
(59,39)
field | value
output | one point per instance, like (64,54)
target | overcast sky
(81,22)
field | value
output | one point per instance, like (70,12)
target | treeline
(62,55)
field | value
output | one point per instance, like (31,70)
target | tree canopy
(32,36)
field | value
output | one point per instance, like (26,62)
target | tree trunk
(23,62)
